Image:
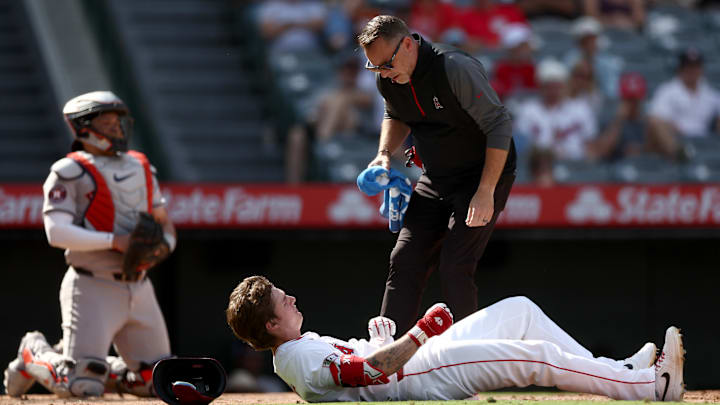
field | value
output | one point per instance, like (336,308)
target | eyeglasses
(387,65)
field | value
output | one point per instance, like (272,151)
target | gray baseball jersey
(105,194)
(71,188)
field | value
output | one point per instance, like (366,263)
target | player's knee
(521,303)
(88,377)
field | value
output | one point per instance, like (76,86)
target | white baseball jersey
(509,344)
(565,129)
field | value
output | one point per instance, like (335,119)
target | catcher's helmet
(189,380)
(79,112)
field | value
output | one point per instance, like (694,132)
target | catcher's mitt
(147,246)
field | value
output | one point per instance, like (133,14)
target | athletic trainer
(462,134)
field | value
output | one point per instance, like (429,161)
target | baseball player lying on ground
(511,343)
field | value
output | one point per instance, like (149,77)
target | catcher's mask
(189,380)
(80,111)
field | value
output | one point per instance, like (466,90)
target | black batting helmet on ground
(189,380)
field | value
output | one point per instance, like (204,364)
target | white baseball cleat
(669,384)
(17,381)
(644,358)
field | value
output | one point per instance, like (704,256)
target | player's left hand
(381,330)
(481,209)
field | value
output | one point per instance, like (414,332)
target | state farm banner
(614,206)
(343,206)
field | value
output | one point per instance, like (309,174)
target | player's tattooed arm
(389,359)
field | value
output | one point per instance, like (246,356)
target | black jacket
(452,111)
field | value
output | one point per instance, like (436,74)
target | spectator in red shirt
(432,18)
(515,72)
(485,20)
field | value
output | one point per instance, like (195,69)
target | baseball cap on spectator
(513,35)
(632,86)
(551,71)
(586,26)
(690,57)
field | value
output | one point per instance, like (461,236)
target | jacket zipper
(416,99)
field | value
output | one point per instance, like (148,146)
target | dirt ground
(292,398)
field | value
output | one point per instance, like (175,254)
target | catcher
(102,204)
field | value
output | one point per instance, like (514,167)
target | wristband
(417,335)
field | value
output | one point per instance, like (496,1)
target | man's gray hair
(387,27)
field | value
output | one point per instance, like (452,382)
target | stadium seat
(712,21)
(651,169)
(625,42)
(702,147)
(712,71)
(32,134)
(555,43)
(705,170)
(342,158)
(542,25)
(578,171)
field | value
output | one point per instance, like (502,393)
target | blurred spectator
(684,107)
(339,32)
(296,153)
(555,122)
(582,86)
(541,167)
(292,25)
(626,14)
(484,21)
(607,67)
(344,21)
(514,73)
(342,109)
(624,134)
(550,8)
(432,18)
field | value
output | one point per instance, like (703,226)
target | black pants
(434,236)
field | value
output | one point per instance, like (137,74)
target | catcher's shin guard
(88,377)
(123,380)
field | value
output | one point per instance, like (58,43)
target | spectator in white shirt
(683,107)
(292,25)
(607,67)
(555,126)
(556,122)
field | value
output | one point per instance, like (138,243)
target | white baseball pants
(514,344)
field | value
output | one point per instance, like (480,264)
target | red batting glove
(437,320)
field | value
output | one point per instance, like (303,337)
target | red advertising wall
(343,206)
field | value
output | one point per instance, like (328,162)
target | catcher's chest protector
(123,187)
